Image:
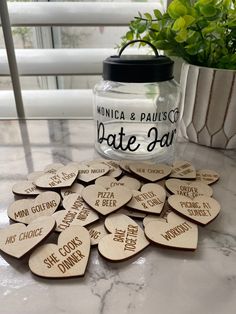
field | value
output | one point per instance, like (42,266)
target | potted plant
(203,34)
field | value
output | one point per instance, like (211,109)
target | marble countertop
(154,281)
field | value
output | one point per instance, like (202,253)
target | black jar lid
(138,68)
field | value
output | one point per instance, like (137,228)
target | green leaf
(188,19)
(178,24)
(141,28)
(176,9)
(162,45)
(209,29)
(193,37)
(155,26)
(148,16)
(192,49)
(232,23)
(129,35)
(157,14)
(181,36)
(208,10)
(204,2)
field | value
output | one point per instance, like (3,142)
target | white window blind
(59,103)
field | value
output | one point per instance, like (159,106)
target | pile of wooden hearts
(91,194)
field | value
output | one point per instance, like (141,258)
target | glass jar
(136,108)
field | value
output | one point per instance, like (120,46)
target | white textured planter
(209,100)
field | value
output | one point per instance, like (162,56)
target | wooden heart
(68,258)
(109,182)
(77,213)
(150,172)
(103,201)
(207,176)
(151,199)
(188,188)
(97,231)
(177,232)
(17,239)
(63,177)
(27,210)
(151,217)
(115,170)
(202,209)
(52,168)
(75,188)
(183,170)
(124,165)
(166,210)
(26,188)
(132,213)
(88,173)
(34,175)
(126,238)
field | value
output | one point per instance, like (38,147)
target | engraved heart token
(27,210)
(202,209)
(34,175)
(115,170)
(151,199)
(97,231)
(17,239)
(150,172)
(75,188)
(132,213)
(63,177)
(68,258)
(26,188)
(177,232)
(108,182)
(124,165)
(151,217)
(88,173)
(207,176)
(183,170)
(52,168)
(126,238)
(188,188)
(77,213)
(103,201)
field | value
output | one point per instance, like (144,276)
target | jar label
(171,116)
(129,131)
